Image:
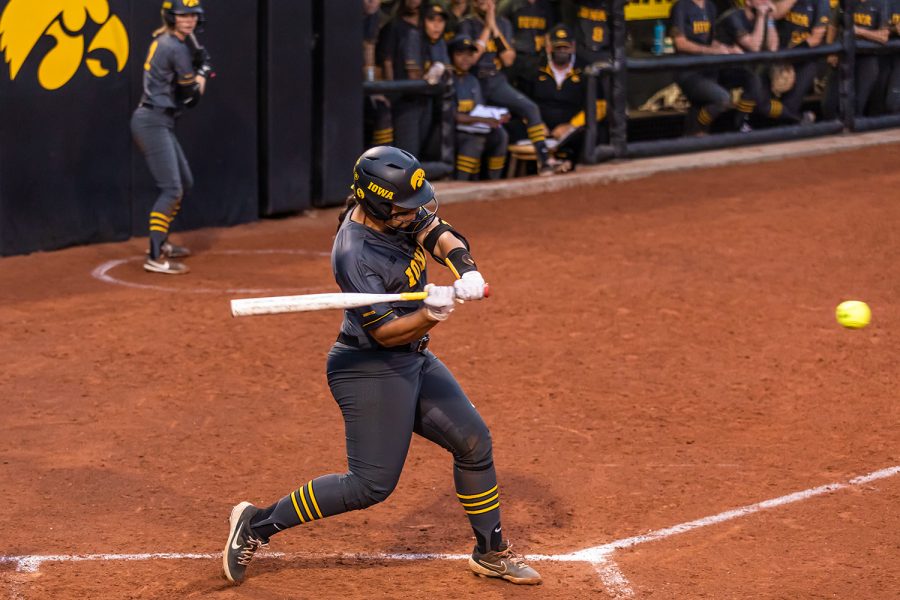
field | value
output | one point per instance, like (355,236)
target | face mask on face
(561,58)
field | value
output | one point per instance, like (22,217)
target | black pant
(804,74)
(384,398)
(154,132)
(708,99)
(892,95)
(867,67)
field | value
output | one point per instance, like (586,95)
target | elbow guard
(458,260)
(431,240)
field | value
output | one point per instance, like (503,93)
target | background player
(692,27)
(386,382)
(472,148)
(174,78)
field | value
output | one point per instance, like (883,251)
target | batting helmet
(385,177)
(170,8)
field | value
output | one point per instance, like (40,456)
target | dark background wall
(286,98)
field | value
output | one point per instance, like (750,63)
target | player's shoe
(165,265)
(550,167)
(503,563)
(170,250)
(241,544)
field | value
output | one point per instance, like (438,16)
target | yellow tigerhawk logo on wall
(24,22)
(418,179)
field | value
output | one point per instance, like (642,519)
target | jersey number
(597,34)
(150,54)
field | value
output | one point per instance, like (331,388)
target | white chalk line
(598,556)
(102,273)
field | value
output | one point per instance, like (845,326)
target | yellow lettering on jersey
(373,187)
(416,267)
(798,37)
(702,27)
(465,106)
(862,19)
(592,14)
(539,42)
(798,19)
(532,23)
(597,35)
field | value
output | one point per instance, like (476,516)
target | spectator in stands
(801,24)
(559,91)
(474,146)
(892,95)
(749,29)
(491,35)
(871,22)
(591,22)
(436,59)
(530,20)
(692,26)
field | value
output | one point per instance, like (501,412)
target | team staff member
(171,82)
(530,20)
(692,26)
(473,148)
(801,24)
(559,90)
(492,34)
(387,384)
(749,29)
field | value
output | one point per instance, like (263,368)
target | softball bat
(244,307)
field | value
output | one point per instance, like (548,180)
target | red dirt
(655,352)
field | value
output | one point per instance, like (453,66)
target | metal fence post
(618,117)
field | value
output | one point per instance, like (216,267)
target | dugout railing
(615,73)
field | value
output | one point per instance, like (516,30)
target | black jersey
(434,52)
(894,16)
(167,66)
(696,23)
(399,42)
(592,25)
(468,92)
(371,262)
(530,23)
(559,103)
(489,62)
(871,14)
(733,25)
(803,17)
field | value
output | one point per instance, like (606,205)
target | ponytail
(350,205)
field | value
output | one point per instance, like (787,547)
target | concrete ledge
(460,191)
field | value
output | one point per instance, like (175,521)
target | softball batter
(385,381)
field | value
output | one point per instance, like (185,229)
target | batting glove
(439,303)
(469,287)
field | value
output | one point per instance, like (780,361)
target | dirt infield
(656,352)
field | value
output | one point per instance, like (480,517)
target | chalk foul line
(599,556)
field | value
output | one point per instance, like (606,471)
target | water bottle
(659,34)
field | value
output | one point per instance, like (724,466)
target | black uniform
(733,25)
(793,30)
(872,15)
(472,148)
(530,20)
(401,44)
(495,86)
(592,41)
(892,96)
(563,103)
(708,99)
(387,394)
(169,77)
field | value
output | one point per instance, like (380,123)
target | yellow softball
(853,314)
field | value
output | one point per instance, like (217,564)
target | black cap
(435,10)
(561,36)
(462,43)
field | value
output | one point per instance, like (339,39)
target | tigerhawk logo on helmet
(396,178)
